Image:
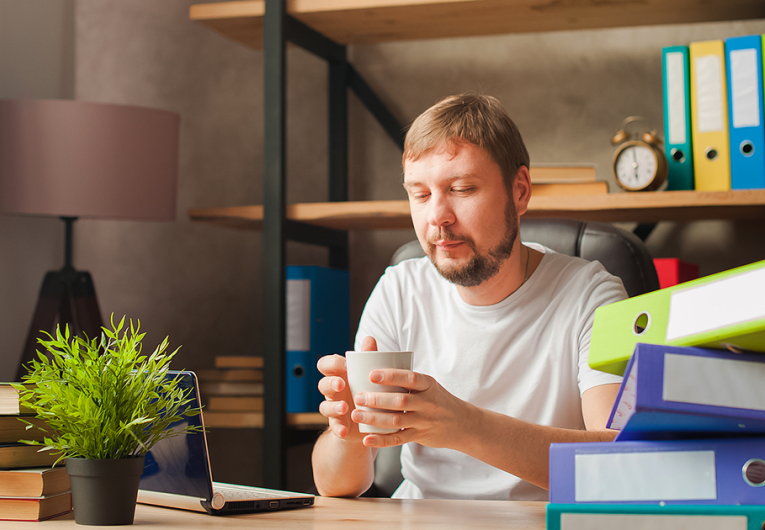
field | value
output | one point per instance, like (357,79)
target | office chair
(622,254)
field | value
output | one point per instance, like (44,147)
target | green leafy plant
(102,398)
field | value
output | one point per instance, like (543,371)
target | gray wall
(199,284)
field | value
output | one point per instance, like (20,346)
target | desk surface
(339,514)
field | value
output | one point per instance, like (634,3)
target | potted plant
(105,405)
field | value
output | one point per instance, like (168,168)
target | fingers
(369,344)
(387,440)
(382,419)
(408,379)
(332,387)
(332,365)
(391,401)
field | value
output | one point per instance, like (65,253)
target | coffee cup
(361,363)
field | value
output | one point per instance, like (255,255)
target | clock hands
(635,164)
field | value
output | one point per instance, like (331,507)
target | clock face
(636,167)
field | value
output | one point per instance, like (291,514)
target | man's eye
(462,190)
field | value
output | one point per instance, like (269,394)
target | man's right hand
(338,402)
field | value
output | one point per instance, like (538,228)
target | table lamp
(72,159)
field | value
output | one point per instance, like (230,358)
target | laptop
(177,474)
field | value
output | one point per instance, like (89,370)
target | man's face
(463,214)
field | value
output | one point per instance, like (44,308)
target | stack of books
(565,179)
(691,420)
(30,489)
(232,392)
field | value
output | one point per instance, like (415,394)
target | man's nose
(440,211)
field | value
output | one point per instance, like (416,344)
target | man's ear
(522,190)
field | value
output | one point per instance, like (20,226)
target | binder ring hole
(641,324)
(754,472)
(711,153)
(298,371)
(677,155)
(747,148)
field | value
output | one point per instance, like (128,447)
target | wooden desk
(340,514)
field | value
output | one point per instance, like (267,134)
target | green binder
(724,311)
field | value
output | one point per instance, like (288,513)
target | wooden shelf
(611,207)
(368,21)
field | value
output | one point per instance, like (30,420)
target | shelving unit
(325,27)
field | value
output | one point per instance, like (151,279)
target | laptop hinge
(171,500)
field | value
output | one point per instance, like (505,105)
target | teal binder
(654,517)
(676,80)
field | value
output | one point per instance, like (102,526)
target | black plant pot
(104,492)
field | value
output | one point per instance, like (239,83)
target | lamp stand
(68,297)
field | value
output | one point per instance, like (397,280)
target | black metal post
(338,147)
(274,246)
(68,241)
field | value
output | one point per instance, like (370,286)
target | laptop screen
(180,464)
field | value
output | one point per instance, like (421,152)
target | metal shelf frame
(279,28)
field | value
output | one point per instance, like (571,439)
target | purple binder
(711,471)
(681,392)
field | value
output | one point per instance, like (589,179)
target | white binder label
(645,476)
(637,521)
(744,79)
(709,94)
(733,300)
(298,315)
(676,97)
(710,381)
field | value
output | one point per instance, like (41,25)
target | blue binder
(653,517)
(676,82)
(318,323)
(681,392)
(743,60)
(710,471)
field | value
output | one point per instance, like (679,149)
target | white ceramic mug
(361,363)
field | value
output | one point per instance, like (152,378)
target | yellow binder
(709,107)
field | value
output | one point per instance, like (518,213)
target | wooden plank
(233,419)
(610,207)
(654,206)
(240,420)
(235,374)
(235,404)
(240,361)
(369,21)
(307,420)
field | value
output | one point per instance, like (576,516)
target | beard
(480,267)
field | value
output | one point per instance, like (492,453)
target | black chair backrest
(622,253)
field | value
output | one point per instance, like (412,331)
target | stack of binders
(690,452)
(713,114)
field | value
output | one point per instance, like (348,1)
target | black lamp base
(67,297)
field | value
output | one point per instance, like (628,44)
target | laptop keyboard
(232,494)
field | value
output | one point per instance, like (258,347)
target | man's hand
(334,386)
(433,416)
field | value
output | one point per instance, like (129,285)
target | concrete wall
(200,285)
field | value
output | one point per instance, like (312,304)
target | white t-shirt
(525,357)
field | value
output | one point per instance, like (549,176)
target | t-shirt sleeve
(605,289)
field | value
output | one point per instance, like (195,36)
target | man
(500,330)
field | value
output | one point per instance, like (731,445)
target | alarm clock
(639,165)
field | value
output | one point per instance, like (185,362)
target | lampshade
(89,160)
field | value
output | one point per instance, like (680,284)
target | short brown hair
(473,118)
